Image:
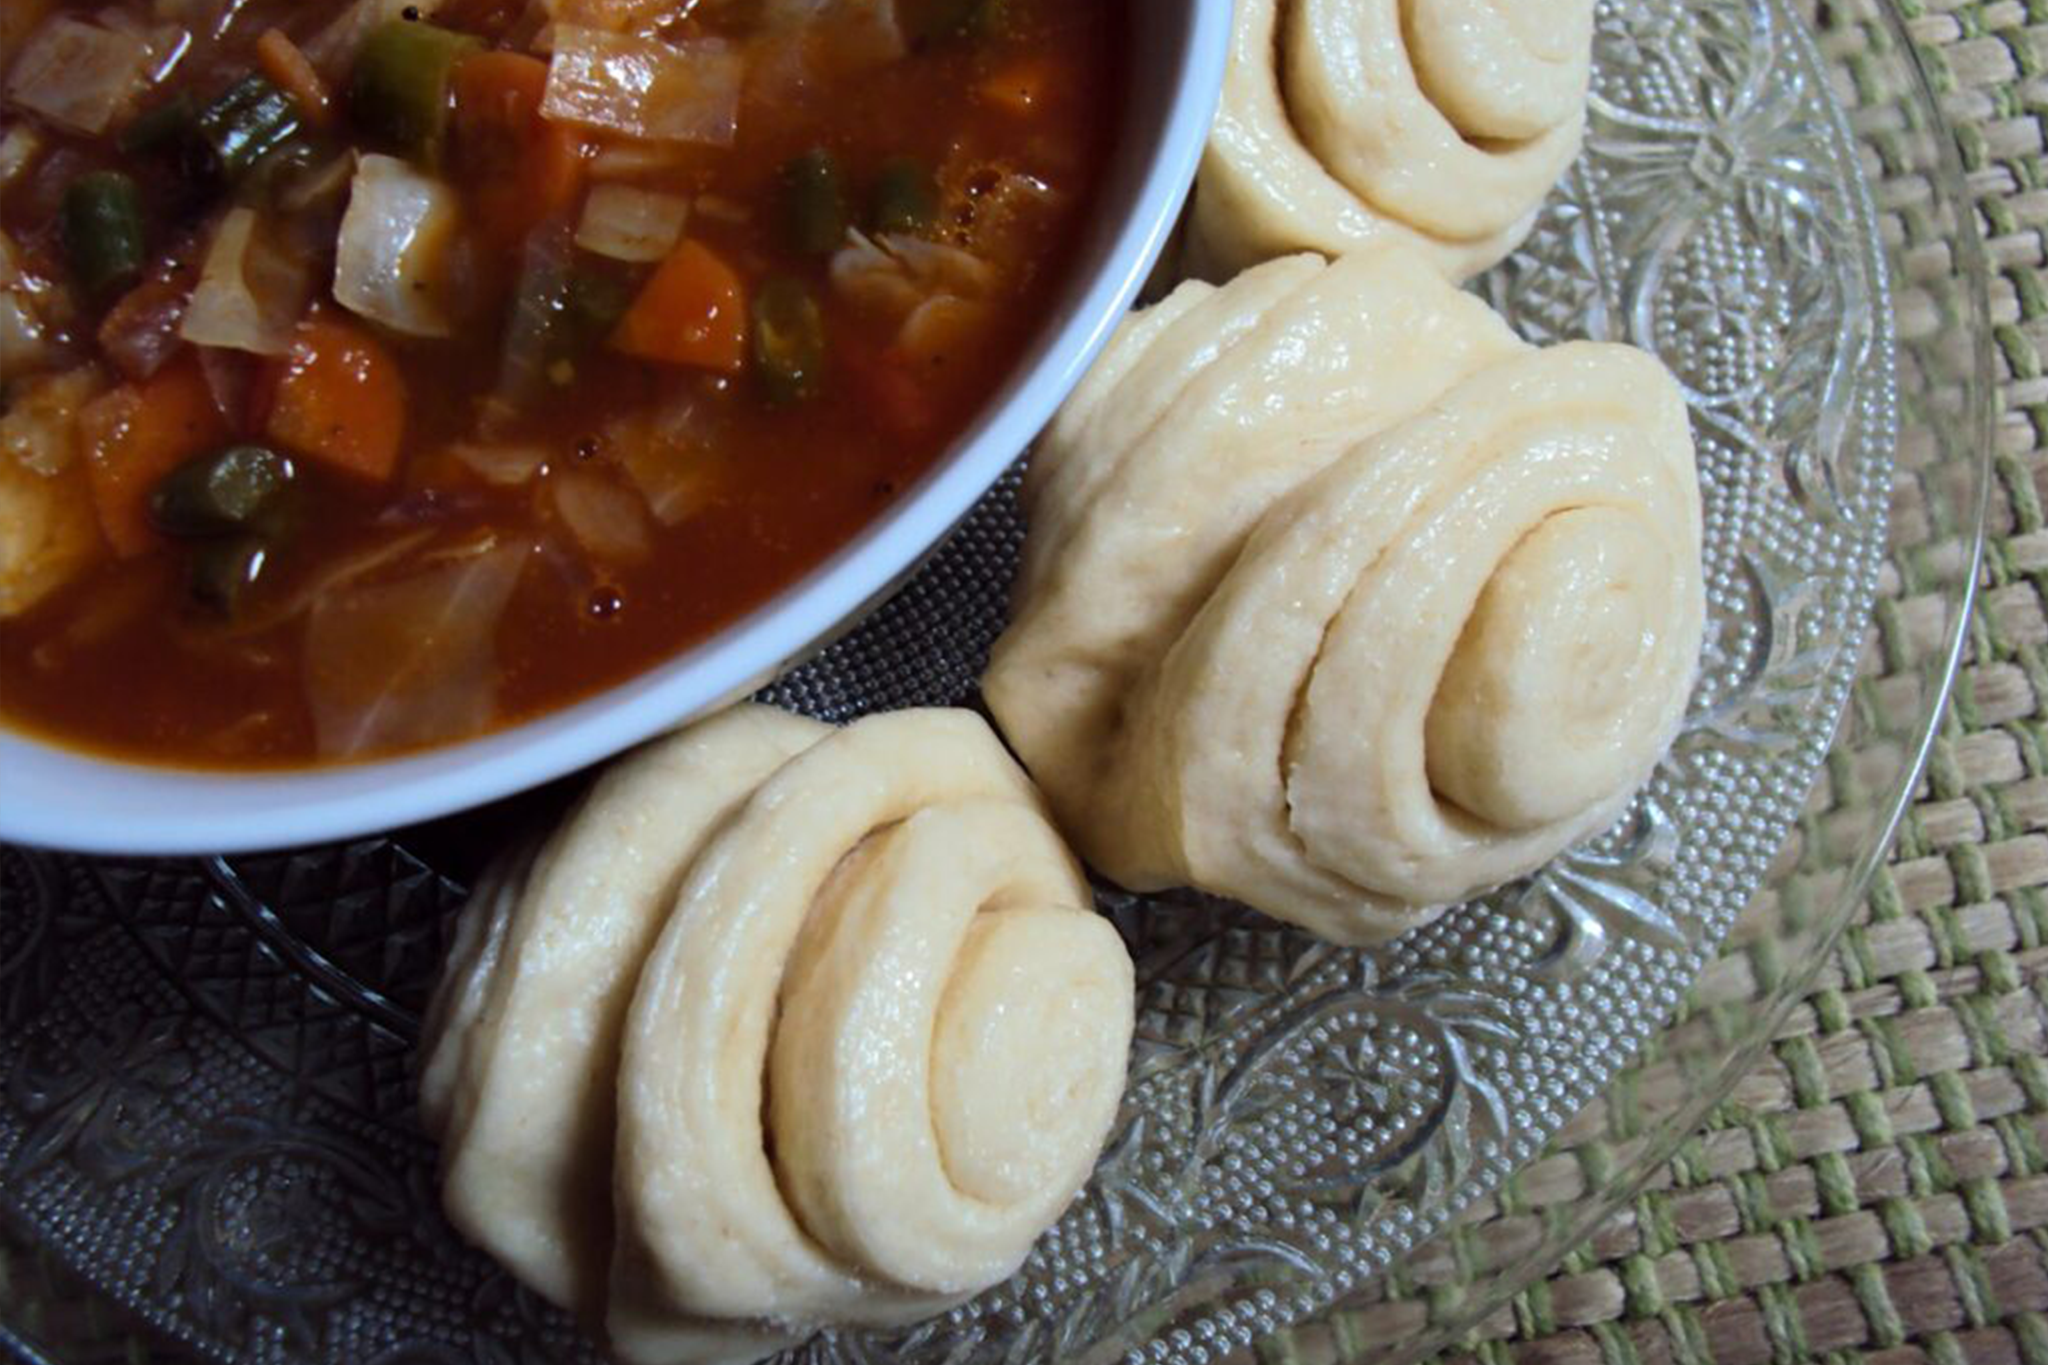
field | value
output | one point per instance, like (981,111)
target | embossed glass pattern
(204,1092)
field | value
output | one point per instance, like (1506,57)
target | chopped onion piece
(324,182)
(18,151)
(24,344)
(503,465)
(629,224)
(608,521)
(632,159)
(78,74)
(23,347)
(140,332)
(392,262)
(251,292)
(645,87)
(400,664)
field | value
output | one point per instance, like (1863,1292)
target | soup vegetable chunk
(378,373)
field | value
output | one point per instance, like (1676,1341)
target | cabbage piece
(608,521)
(672,455)
(79,75)
(631,224)
(645,87)
(504,466)
(334,575)
(252,290)
(392,262)
(400,664)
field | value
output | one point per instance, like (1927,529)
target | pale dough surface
(1142,494)
(1439,125)
(517,1081)
(785,1026)
(867,867)
(1455,652)
(1341,601)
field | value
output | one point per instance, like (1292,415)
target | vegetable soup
(376,374)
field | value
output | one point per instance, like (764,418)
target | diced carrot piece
(692,311)
(340,399)
(1019,89)
(522,169)
(138,433)
(290,71)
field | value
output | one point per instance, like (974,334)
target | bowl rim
(69,798)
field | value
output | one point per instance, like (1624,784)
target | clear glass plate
(204,1092)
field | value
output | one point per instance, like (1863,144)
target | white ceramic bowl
(63,798)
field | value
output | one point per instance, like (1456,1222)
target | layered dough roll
(1426,621)
(786,1027)
(1438,124)
(520,1041)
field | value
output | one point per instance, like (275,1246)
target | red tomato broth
(119,660)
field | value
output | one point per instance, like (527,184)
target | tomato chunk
(522,169)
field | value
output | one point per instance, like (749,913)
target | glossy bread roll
(1426,621)
(786,1027)
(1345,124)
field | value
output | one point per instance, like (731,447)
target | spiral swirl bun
(856,1039)
(1439,124)
(1428,622)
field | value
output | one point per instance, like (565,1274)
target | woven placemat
(1877,1188)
